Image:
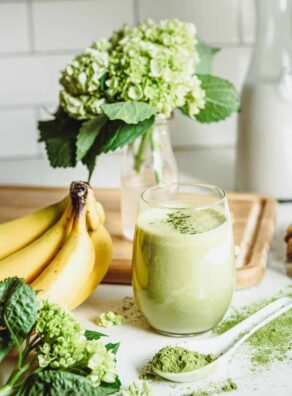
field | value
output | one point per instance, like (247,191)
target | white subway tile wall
(38,37)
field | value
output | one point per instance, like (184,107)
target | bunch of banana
(63,251)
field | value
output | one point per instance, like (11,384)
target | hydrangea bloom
(138,388)
(108,319)
(64,345)
(153,63)
(82,94)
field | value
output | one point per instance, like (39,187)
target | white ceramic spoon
(225,344)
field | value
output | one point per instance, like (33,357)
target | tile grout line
(30,26)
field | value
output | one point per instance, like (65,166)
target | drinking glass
(183,258)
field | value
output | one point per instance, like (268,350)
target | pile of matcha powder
(175,359)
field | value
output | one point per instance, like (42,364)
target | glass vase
(265,121)
(148,161)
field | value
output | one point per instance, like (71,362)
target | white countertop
(139,343)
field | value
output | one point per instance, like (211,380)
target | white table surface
(139,343)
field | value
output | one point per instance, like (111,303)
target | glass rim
(221,199)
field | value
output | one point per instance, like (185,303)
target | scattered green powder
(108,319)
(271,343)
(175,359)
(228,386)
(138,388)
(190,222)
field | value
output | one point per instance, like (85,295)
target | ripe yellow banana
(103,255)
(29,261)
(62,282)
(18,233)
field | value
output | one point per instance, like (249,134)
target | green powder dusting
(271,343)
(190,222)
(175,359)
(214,389)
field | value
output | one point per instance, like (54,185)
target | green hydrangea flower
(62,337)
(63,345)
(155,63)
(108,319)
(138,388)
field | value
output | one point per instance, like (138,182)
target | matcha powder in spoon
(175,359)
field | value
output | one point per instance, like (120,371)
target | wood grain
(253,218)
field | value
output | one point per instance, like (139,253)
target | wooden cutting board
(253,218)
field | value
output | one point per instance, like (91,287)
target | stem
(6,390)
(139,157)
(156,160)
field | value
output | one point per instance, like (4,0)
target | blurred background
(38,37)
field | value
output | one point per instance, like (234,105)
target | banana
(64,280)
(103,255)
(18,233)
(93,217)
(29,261)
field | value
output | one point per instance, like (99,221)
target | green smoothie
(183,268)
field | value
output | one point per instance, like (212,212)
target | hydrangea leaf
(61,152)
(221,99)
(87,135)
(114,135)
(206,55)
(56,383)
(129,112)
(7,286)
(113,347)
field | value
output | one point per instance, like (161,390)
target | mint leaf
(206,54)
(56,383)
(129,112)
(221,99)
(20,310)
(93,335)
(87,134)
(6,344)
(7,287)
(113,347)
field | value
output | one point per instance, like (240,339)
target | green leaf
(93,335)
(114,135)
(108,389)
(206,54)
(60,136)
(7,286)
(221,99)
(6,344)
(113,347)
(20,310)
(56,383)
(118,134)
(129,112)
(61,152)
(87,134)
(102,81)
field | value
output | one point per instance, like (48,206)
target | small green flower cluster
(138,388)
(155,63)
(63,345)
(152,63)
(82,94)
(108,319)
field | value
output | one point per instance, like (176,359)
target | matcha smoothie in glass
(183,258)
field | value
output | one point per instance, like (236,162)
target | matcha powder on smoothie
(175,359)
